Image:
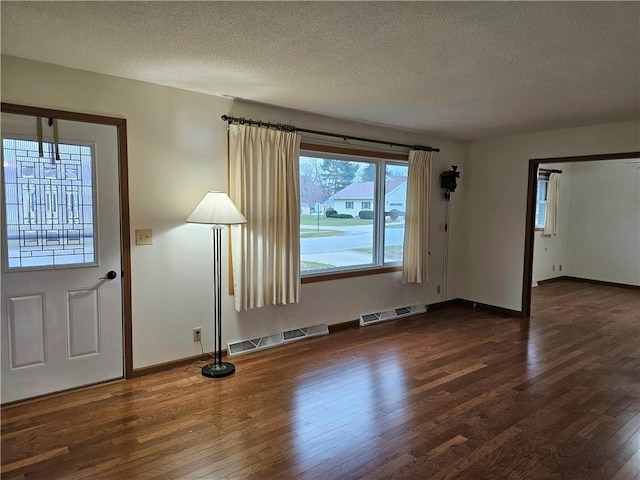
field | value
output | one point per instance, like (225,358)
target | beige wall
(496,196)
(604,222)
(177,151)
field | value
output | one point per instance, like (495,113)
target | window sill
(325,277)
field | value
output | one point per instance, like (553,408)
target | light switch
(144,236)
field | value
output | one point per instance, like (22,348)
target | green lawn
(392,252)
(305,266)
(332,222)
(307,233)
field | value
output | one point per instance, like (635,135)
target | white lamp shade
(216,208)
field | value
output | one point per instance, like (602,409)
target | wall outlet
(197,334)
(553,268)
(560,268)
(144,236)
(438,289)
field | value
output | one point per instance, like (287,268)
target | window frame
(543,176)
(381,159)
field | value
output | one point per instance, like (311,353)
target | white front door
(61,310)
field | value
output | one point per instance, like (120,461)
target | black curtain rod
(292,128)
(550,171)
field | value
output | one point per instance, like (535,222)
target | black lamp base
(216,371)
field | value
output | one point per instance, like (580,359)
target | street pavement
(339,250)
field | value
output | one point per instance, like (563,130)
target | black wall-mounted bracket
(448,181)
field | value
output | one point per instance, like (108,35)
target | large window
(352,212)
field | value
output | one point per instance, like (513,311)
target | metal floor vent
(399,312)
(259,343)
(305,332)
(275,339)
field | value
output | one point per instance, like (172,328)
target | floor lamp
(217,209)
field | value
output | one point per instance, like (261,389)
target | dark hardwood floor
(457,393)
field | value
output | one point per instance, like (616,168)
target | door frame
(529,238)
(123,176)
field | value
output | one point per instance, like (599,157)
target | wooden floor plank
(456,393)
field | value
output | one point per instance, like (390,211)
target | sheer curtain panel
(415,264)
(551,216)
(264,184)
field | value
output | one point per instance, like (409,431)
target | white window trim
(378,263)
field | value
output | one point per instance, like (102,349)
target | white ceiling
(463,70)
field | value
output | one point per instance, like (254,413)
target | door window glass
(49,205)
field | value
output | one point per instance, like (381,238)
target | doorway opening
(532,201)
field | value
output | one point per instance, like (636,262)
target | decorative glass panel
(49,205)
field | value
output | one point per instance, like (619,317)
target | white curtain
(551,216)
(264,184)
(415,264)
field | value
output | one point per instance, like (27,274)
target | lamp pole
(218,368)
(217,209)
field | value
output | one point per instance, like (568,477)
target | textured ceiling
(464,70)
